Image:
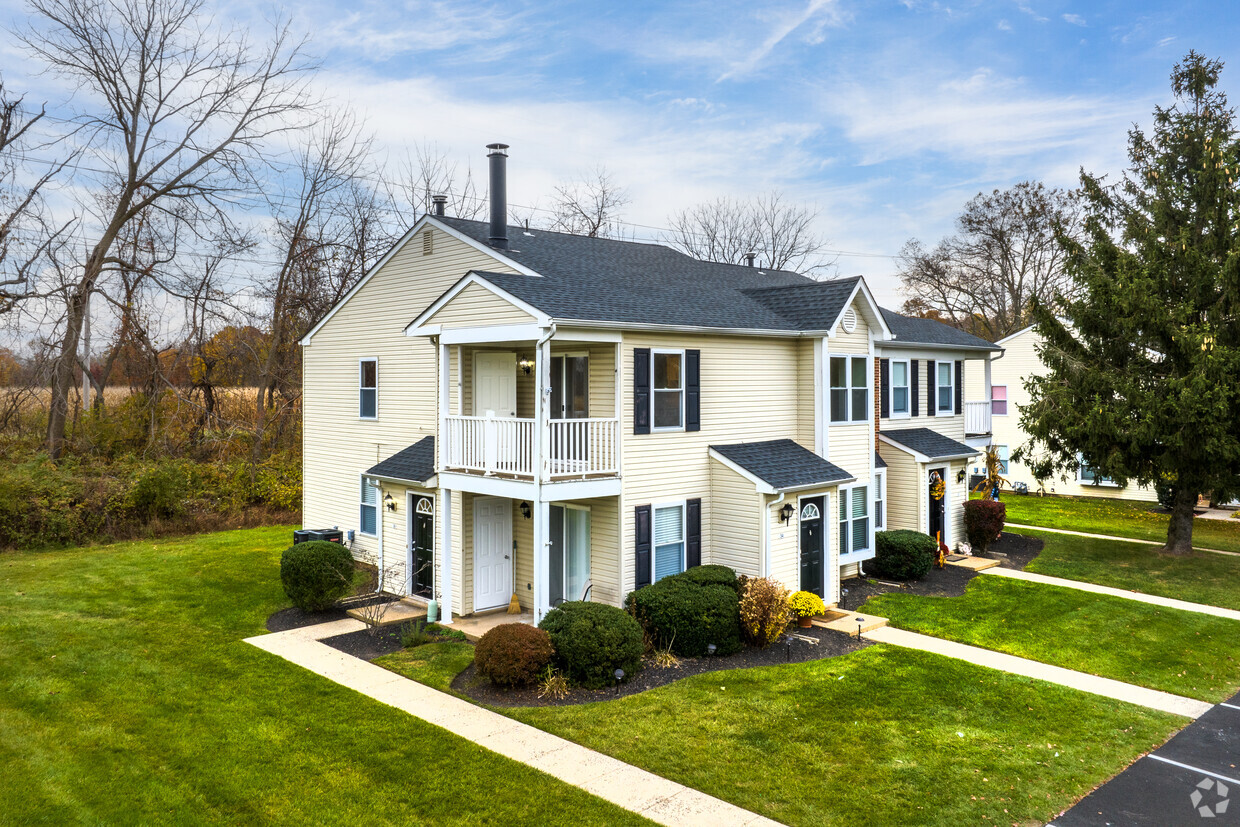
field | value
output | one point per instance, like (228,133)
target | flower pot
(805,622)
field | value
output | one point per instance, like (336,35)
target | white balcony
(976,418)
(504,446)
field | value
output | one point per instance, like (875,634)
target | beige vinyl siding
(749,393)
(904,488)
(476,306)
(338,446)
(1021,361)
(957,495)
(736,522)
(786,541)
(849,448)
(601,387)
(849,444)
(806,393)
(949,425)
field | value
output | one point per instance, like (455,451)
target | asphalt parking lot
(1192,779)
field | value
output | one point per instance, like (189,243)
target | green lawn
(434,664)
(884,736)
(1213,579)
(1180,652)
(1119,518)
(127,696)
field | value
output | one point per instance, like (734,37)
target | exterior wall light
(785,513)
(525,510)
(389,502)
(527,366)
(960,475)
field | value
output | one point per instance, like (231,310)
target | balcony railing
(976,418)
(505,446)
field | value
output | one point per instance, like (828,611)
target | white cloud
(783,25)
(1003,26)
(1032,13)
(1074,19)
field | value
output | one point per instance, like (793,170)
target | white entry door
(492,552)
(495,384)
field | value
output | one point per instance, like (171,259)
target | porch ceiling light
(785,513)
(527,366)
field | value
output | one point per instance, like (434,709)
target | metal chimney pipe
(440,203)
(499,196)
(749,257)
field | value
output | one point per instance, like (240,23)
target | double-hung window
(850,389)
(854,519)
(998,400)
(1002,452)
(945,396)
(880,496)
(899,389)
(368,388)
(668,390)
(669,540)
(1089,476)
(370,509)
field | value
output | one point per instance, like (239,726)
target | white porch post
(446,590)
(542,444)
(542,525)
(445,392)
(986,388)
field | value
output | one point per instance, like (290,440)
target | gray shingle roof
(931,443)
(783,464)
(414,464)
(929,332)
(879,462)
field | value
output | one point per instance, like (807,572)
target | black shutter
(930,377)
(914,387)
(885,395)
(641,533)
(693,390)
(959,387)
(641,390)
(693,527)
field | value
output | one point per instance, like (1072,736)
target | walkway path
(649,795)
(1112,537)
(1118,690)
(1140,597)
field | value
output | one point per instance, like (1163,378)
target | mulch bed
(947,582)
(368,644)
(830,644)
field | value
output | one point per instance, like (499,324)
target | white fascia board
(563,333)
(1012,336)
(864,289)
(761,485)
(472,277)
(428,484)
(484,335)
(487,486)
(565,490)
(961,351)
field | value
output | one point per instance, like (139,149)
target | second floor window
(368,388)
(946,397)
(899,388)
(850,389)
(998,400)
(668,390)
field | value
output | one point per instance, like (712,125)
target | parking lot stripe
(1230,706)
(1192,768)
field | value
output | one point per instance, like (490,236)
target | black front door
(813,545)
(937,509)
(421,557)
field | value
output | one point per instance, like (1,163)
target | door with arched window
(813,544)
(421,556)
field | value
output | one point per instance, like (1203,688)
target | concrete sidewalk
(641,792)
(1111,537)
(1140,597)
(1152,698)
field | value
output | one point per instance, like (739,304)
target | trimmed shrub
(686,616)
(764,611)
(806,604)
(316,574)
(592,641)
(902,554)
(513,654)
(983,522)
(711,576)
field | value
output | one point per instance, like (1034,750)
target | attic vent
(428,245)
(850,320)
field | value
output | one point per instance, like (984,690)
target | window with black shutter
(641,390)
(641,533)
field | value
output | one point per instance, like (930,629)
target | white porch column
(542,467)
(542,568)
(986,387)
(445,399)
(446,590)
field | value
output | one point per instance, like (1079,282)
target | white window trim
(378,506)
(590,544)
(950,410)
(654,392)
(412,500)
(1007,462)
(683,505)
(853,556)
(1006,399)
(849,388)
(908,389)
(876,489)
(1102,483)
(826,539)
(360,388)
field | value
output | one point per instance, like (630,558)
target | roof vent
(749,258)
(850,320)
(440,203)
(499,196)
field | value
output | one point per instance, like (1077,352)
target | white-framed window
(945,396)
(667,391)
(1002,452)
(1088,476)
(368,388)
(669,540)
(850,389)
(854,519)
(369,519)
(998,400)
(899,388)
(880,500)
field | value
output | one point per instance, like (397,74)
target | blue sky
(885,116)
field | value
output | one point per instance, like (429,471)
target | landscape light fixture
(389,502)
(525,510)
(711,649)
(860,620)
(527,366)
(619,673)
(785,513)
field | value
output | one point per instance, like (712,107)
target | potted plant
(804,606)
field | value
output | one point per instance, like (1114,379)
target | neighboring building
(494,410)
(1005,376)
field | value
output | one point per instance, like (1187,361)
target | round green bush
(316,574)
(686,616)
(513,654)
(711,576)
(592,641)
(902,555)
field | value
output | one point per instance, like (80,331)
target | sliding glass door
(570,552)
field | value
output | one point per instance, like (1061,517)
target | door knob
(506,557)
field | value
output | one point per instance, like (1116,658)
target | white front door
(492,552)
(495,384)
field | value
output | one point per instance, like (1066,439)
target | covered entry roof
(413,464)
(779,465)
(927,445)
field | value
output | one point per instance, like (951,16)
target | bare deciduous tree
(590,206)
(781,233)
(178,110)
(426,172)
(1003,255)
